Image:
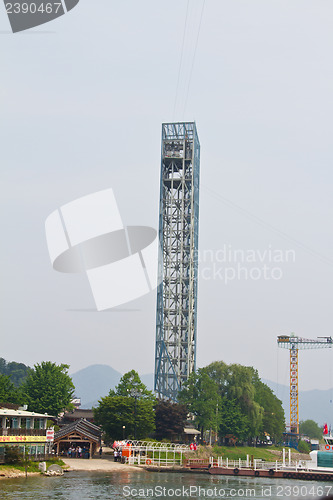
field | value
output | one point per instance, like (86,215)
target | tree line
(228,400)
(234,402)
(46,388)
(17,372)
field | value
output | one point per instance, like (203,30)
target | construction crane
(294,343)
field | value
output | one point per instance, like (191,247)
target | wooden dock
(208,467)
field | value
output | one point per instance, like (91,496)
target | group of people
(117,454)
(77,452)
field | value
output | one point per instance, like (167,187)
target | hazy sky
(82,102)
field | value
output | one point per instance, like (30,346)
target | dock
(257,469)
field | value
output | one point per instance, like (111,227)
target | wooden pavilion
(80,433)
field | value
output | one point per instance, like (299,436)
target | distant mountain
(148,380)
(94,382)
(314,405)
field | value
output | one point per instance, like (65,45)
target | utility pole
(134,393)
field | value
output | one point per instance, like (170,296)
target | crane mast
(294,344)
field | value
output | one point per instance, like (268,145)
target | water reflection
(135,485)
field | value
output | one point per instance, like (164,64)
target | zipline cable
(181,60)
(194,55)
(266,225)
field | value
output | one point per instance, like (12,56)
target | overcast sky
(82,102)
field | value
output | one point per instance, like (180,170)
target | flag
(325,430)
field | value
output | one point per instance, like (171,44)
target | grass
(234,453)
(32,466)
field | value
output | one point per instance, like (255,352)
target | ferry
(323,460)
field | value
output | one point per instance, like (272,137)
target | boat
(319,468)
(322,460)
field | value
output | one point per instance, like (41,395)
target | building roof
(78,413)
(190,430)
(11,406)
(8,412)
(81,426)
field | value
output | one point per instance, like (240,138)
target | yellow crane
(294,344)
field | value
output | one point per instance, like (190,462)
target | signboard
(50,435)
(22,439)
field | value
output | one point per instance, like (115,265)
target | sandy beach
(98,464)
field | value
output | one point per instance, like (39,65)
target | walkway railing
(155,445)
(259,464)
(155,453)
(156,461)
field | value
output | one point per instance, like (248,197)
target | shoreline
(13,473)
(98,464)
(75,465)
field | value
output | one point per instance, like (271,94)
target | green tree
(304,447)
(17,372)
(130,383)
(311,429)
(8,392)
(236,385)
(202,397)
(240,387)
(49,388)
(247,408)
(114,412)
(131,405)
(273,423)
(170,419)
(218,371)
(233,420)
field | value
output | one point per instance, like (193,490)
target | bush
(304,447)
(12,455)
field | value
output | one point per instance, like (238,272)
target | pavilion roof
(82,426)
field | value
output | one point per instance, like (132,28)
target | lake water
(151,485)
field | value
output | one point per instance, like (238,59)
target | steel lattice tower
(176,318)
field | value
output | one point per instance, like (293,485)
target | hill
(17,372)
(95,381)
(314,405)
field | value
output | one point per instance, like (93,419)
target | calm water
(148,485)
